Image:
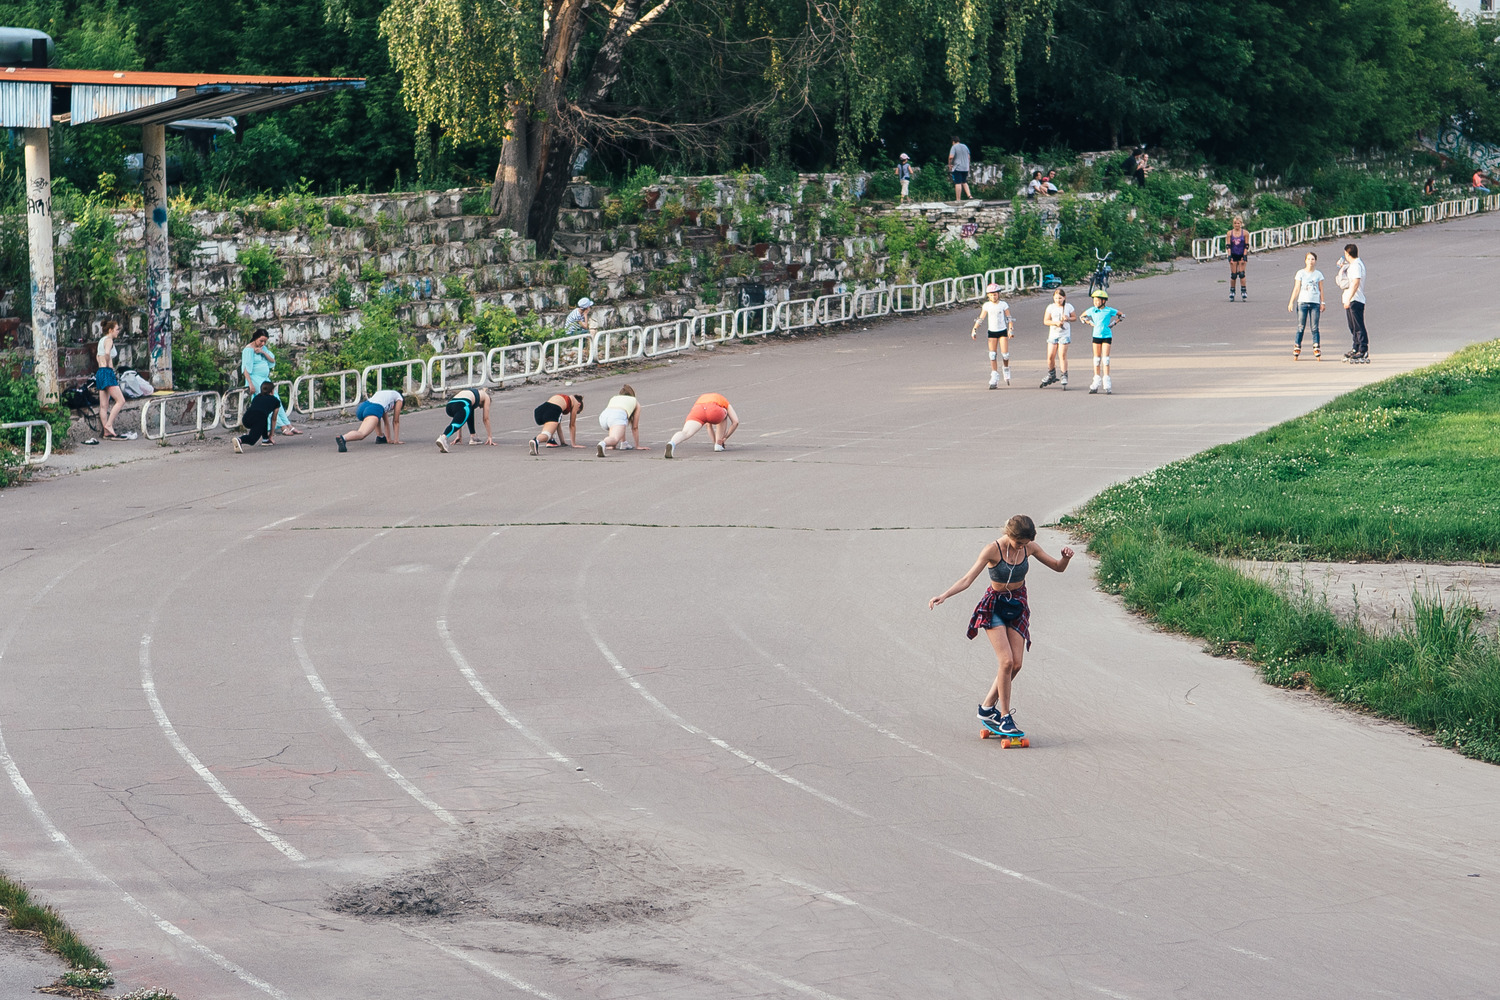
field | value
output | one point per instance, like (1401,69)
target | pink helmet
(991,287)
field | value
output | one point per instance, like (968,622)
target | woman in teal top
(1103,319)
(256,362)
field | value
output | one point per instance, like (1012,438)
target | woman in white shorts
(620,412)
(1059,319)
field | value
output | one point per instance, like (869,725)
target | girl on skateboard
(1003,612)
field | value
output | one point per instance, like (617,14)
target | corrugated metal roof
(131,78)
(92,101)
(25,105)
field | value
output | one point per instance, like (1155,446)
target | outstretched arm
(1056,565)
(489,435)
(984,560)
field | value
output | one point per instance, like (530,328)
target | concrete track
(632,727)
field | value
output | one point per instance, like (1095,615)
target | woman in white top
(108,383)
(1059,322)
(620,412)
(1307,299)
(996,315)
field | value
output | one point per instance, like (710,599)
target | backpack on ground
(134,386)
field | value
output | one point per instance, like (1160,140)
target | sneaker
(990,718)
(380,439)
(670,449)
(530,447)
(130,435)
(599,450)
(442,443)
(1008,726)
(718,447)
(1051,377)
(1094,385)
(237,449)
(1007,375)
(343,445)
(1108,386)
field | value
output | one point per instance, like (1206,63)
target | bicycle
(1099,281)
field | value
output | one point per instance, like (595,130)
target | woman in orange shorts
(711,409)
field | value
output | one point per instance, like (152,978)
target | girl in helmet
(1103,319)
(997,315)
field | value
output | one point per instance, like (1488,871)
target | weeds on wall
(499,326)
(196,363)
(260,270)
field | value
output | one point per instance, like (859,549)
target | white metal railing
(451,372)
(233,402)
(1313,230)
(349,386)
(197,404)
(754,321)
(906,298)
(872,302)
(25,426)
(796,314)
(666,338)
(722,327)
(410,386)
(1005,277)
(565,354)
(937,294)
(968,288)
(608,345)
(1028,276)
(824,312)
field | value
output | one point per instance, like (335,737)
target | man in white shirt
(1351,279)
(1059,322)
(958,166)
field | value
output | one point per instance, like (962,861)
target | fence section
(190,405)
(26,427)
(314,386)
(1314,230)
(412,373)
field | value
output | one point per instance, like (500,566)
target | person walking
(1059,322)
(958,167)
(260,419)
(1102,319)
(1004,612)
(549,415)
(1351,278)
(1307,299)
(711,409)
(622,411)
(382,413)
(1239,252)
(903,174)
(460,410)
(107,381)
(1000,324)
(256,364)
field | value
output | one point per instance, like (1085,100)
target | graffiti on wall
(158,267)
(1451,142)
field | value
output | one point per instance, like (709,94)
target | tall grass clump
(22,914)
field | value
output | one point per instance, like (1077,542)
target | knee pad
(1104,361)
(1005,356)
(992,355)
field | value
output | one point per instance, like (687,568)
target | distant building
(1484,10)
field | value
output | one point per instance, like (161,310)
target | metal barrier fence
(1028,276)
(823,311)
(566,354)
(667,338)
(468,371)
(1347,225)
(512,361)
(723,327)
(233,402)
(871,303)
(796,314)
(26,426)
(938,294)
(349,391)
(754,321)
(608,345)
(906,298)
(197,403)
(409,386)
(969,288)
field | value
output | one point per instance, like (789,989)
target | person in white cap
(1000,323)
(578,320)
(903,172)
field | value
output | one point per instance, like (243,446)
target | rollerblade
(1049,380)
(1094,385)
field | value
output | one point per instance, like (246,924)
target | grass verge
(1405,468)
(24,915)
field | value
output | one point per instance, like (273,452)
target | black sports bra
(1009,572)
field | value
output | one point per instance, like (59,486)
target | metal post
(158,259)
(43,282)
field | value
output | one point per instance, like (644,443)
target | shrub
(18,402)
(88,273)
(195,363)
(1273,212)
(341,291)
(499,326)
(260,271)
(475,204)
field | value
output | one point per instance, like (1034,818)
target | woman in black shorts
(1239,252)
(549,415)
(460,410)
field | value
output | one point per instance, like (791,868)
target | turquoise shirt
(1102,318)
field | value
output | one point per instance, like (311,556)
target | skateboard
(1006,740)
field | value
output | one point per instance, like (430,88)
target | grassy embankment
(22,914)
(1408,468)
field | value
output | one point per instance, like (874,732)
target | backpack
(79,398)
(133,386)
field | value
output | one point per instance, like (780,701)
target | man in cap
(577,322)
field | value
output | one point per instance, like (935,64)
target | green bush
(88,274)
(260,271)
(1272,212)
(18,402)
(475,204)
(499,326)
(195,363)
(182,236)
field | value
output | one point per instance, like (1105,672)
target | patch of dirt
(1380,594)
(559,876)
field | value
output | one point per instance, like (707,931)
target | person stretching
(1000,324)
(381,412)
(1239,252)
(460,410)
(549,415)
(1004,611)
(1059,322)
(711,409)
(1103,319)
(620,412)
(260,419)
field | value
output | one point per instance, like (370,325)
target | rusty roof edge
(147,78)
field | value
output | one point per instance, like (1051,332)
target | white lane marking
(313,678)
(1252,954)
(790,984)
(148,684)
(485,967)
(817,793)
(889,734)
(163,924)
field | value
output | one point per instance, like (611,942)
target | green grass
(1406,468)
(24,915)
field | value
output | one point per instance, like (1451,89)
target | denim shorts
(369,409)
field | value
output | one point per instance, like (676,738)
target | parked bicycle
(1100,279)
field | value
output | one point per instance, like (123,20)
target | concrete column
(158,256)
(43,280)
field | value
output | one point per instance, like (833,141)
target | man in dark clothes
(259,418)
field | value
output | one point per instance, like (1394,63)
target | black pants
(256,433)
(1354,312)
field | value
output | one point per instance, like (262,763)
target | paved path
(633,727)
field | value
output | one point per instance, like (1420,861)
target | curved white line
(148,684)
(485,967)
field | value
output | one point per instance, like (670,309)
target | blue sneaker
(990,718)
(1008,727)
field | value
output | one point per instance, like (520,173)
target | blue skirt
(105,378)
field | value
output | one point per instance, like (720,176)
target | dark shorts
(1104,340)
(547,413)
(1236,258)
(369,409)
(105,378)
(960,177)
